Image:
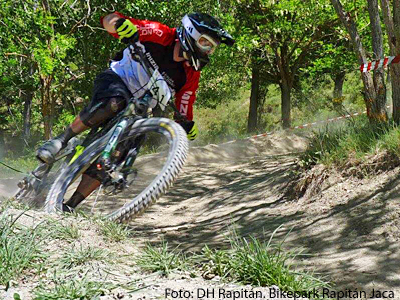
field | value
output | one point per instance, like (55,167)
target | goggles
(206,44)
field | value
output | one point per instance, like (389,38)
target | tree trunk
(395,78)
(338,89)
(28,109)
(395,68)
(379,106)
(27,115)
(46,105)
(262,97)
(369,89)
(392,23)
(255,92)
(396,23)
(285,103)
(286,84)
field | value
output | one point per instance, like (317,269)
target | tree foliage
(283,37)
(51,50)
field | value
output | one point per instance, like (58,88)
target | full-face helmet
(199,35)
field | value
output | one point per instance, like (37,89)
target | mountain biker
(178,53)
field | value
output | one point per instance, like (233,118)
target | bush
(356,139)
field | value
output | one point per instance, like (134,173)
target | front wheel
(154,171)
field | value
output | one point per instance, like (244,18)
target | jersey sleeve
(186,96)
(149,31)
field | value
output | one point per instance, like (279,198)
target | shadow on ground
(352,237)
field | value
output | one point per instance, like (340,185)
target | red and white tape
(382,63)
(302,126)
(305,125)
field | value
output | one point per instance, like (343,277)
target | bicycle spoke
(97,196)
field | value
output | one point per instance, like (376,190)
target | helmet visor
(207,44)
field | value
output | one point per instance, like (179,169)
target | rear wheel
(127,191)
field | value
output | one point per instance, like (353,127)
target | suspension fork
(132,154)
(105,158)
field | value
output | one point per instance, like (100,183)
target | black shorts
(107,85)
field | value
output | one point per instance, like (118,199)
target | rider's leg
(106,110)
(91,179)
(85,188)
(109,97)
(78,126)
(49,149)
(88,118)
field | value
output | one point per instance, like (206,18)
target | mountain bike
(129,181)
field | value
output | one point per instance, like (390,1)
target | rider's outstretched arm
(120,26)
(109,22)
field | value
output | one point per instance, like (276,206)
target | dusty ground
(351,228)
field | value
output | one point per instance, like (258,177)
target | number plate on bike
(159,88)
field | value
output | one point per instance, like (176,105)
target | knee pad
(105,110)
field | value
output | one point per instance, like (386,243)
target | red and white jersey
(159,41)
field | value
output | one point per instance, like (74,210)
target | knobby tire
(178,149)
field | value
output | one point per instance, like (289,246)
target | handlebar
(138,53)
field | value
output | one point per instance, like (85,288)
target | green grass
(7,203)
(227,121)
(250,261)
(264,264)
(69,232)
(76,257)
(24,164)
(161,259)
(215,262)
(247,260)
(314,101)
(112,231)
(20,249)
(71,288)
(354,140)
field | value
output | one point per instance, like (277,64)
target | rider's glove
(126,30)
(191,129)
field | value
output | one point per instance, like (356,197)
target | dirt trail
(351,228)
